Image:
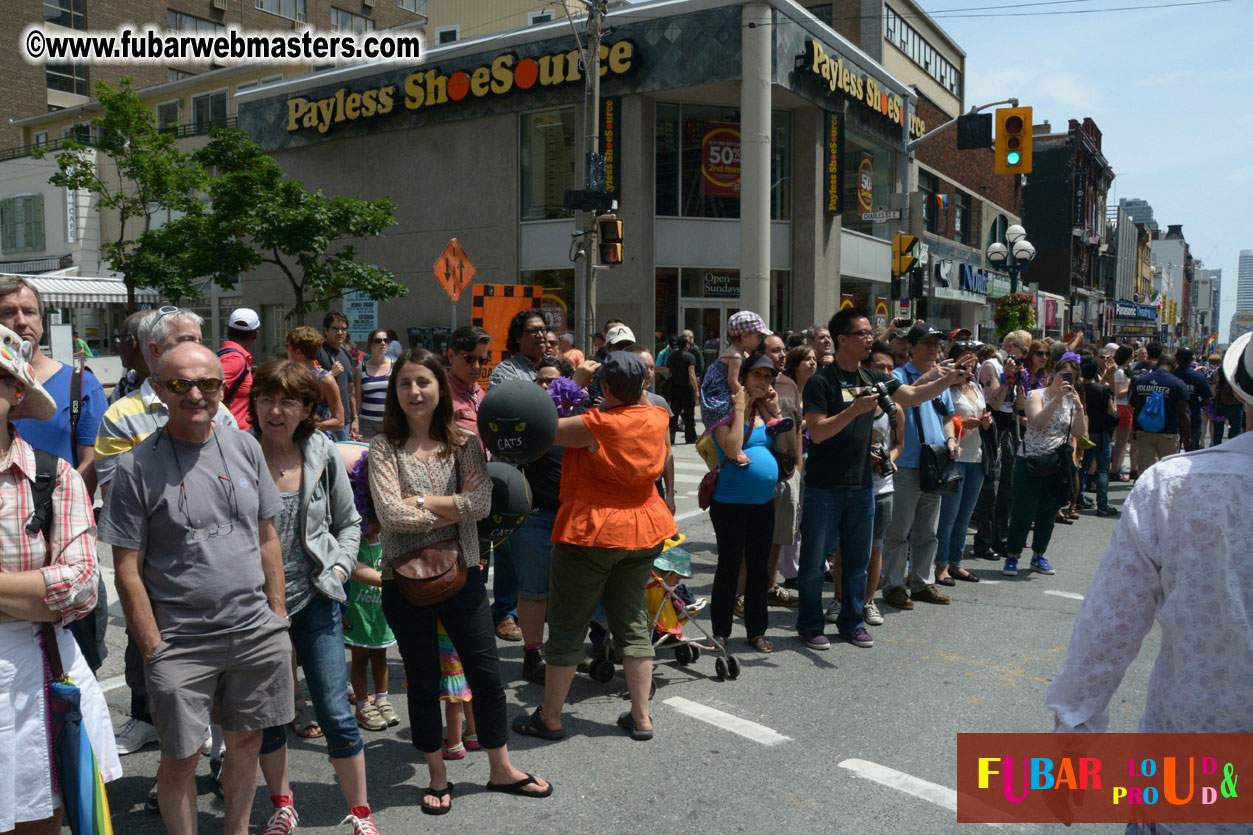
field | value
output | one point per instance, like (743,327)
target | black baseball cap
(899,333)
(921,331)
(623,370)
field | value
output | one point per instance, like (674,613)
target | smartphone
(1067,377)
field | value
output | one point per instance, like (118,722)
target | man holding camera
(916,512)
(838,504)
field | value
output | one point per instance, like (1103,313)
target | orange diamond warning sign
(454,270)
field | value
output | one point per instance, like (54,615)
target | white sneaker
(207,748)
(134,736)
(283,821)
(833,611)
(871,614)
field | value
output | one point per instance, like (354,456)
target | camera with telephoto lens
(885,400)
(884,467)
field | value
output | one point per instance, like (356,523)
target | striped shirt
(71,577)
(131,419)
(373,392)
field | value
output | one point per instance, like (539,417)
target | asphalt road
(801,742)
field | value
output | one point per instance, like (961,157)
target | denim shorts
(531,547)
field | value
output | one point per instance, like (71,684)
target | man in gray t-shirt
(199,571)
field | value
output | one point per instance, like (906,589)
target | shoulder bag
(434,573)
(937,471)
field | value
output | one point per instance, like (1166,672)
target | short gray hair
(10,284)
(158,327)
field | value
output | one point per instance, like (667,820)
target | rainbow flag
(1209,345)
(941,202)
(78,773)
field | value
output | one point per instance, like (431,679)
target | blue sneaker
(1041,565)
(816,641)
(1010,568)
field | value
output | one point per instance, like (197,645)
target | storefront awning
(85,292)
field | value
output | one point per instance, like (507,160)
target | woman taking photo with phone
(1045,465)
(430,486)
(971,409)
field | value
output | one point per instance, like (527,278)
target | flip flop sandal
(438,794)
(519,787)
(761,643)
(306,722)
(627,723)
(533,725)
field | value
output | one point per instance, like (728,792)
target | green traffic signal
(1013,158)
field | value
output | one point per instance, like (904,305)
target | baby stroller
(667,614)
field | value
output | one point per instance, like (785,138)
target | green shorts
(583,577)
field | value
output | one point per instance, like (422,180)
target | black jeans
(683,405)
(468,622)
(743,532)
(996,499)
(136,682)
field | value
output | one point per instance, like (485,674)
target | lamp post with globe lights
(1013,258)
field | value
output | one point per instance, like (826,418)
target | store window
(962,232)
(557,302)
(869,183)
(929,185)
(546,159)
(698,162)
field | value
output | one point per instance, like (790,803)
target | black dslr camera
(885,400)
(885,468)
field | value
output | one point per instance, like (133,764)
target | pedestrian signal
(609,230)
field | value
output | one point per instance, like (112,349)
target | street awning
(85,292)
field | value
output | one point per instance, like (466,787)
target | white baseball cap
(619,333)
(244,319)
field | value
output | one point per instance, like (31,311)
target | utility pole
(593,175)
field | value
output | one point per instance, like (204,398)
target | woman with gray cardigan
(320,531)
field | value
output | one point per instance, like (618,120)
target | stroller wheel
(733,668)
(602,670)
(684,654)
(695,652)
(720,669)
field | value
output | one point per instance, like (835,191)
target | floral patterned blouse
(396,474)
(1037,441)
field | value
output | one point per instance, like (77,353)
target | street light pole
(1013,258)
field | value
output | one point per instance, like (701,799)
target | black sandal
(627,723)
(533,725)
(520,787)
(438,794)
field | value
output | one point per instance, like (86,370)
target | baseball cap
(899,333)
(757,361)
(959,333)
(745,322)
(1238,367)
(619,333)
(15,354)
(623,370)
(244,319)
(921,331)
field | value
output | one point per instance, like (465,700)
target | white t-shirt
(1121,379)
(1007,405)
(971,442)
(881,433)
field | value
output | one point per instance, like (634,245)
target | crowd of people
(268,518)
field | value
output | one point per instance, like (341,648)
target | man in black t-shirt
(838,506)
(338,362)
(683,388)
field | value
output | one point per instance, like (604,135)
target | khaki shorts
(241,681)
(582,577)
(787,510)
(1152,447)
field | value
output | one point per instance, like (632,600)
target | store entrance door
(707,320)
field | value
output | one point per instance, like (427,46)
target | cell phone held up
(1068,377)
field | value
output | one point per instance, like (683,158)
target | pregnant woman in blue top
(742,511)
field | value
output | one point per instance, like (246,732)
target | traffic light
(609,231)
(904,248)
(1013,141)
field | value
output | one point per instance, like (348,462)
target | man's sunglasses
(178,385)
(473,360)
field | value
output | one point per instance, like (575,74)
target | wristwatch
(421,501)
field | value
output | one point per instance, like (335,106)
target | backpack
(1153,414)
(239,381)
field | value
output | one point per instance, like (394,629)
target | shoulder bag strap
(76,407)
(41,521)
(922,439)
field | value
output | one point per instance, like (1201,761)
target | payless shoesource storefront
(482,140)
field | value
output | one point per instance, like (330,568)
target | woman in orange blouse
(610,528)
(429,482)
(33,591)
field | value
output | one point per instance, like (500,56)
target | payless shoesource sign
(504,75)
(863,91)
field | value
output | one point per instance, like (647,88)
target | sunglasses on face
(470,359)
(382,340)
(178,385)
(1041,354)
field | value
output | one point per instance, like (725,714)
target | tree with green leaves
(138,173)
(255,216)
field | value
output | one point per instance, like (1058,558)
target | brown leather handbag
(436,572)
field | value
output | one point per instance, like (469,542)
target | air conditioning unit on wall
(369,4)
(222,5)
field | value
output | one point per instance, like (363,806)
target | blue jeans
(834,520)
(955,512)
(531,552)
(339,434)
(317,636)
(1101,453)
(504,583)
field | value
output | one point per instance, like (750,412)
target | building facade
(1206,301)
(1244,282)
(1139,211)
(1172,263)
(482,141)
